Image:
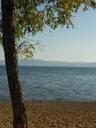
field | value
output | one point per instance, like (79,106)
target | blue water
(53,83)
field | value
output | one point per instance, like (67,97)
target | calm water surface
(53,83)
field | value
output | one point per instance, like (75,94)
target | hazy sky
(77,44)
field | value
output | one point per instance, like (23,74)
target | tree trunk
(20,120)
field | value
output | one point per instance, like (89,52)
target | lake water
(53,83)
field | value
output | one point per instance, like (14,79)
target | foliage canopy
(33,15)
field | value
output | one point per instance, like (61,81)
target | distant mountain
(53,63)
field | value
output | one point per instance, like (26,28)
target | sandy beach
(53,114)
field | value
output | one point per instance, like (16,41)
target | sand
(53,114)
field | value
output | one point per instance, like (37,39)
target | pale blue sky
(77,44)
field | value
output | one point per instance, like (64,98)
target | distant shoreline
(53,63)
(53,66)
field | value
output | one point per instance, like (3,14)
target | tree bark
(20,120)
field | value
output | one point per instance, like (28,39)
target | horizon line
(54,61)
